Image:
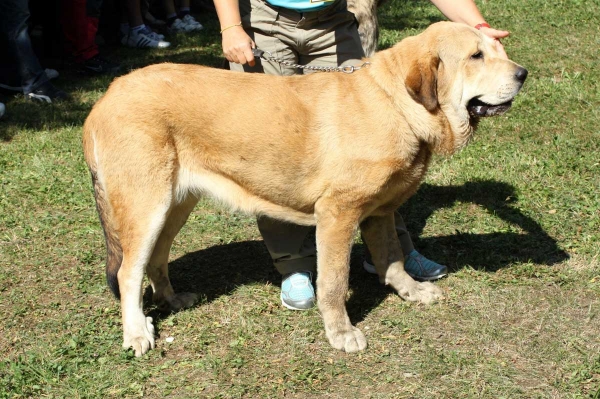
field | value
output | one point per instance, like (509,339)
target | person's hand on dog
(237,46)
(497,35)
(466,11)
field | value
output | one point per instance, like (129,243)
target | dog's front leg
(335,233)
(380,236)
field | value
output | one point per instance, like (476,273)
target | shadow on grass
(218,270)
(488,252)
(23,115)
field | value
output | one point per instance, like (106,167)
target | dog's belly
(231,194)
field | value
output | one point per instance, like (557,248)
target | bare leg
(134,13)
(169,6)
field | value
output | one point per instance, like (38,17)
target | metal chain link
(267,56)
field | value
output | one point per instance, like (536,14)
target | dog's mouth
(478,108)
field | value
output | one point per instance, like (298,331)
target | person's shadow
(218,270)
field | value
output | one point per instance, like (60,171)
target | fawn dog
(339,151)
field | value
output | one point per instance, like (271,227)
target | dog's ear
(421,81)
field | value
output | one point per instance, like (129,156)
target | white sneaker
(179,26)
(191,21)
(124,30)
(154,35)
(142,40)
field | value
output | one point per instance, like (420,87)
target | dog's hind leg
(380,236)
(141,227)
(140,202)
(336,227)
(158,267)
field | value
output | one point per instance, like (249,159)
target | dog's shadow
(218,270)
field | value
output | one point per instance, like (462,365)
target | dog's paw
(420,292)
(348,340)
(177,302)
(141,339)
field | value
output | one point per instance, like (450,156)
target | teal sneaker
(416,265)
(297,292)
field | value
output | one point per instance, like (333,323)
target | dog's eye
(477,56)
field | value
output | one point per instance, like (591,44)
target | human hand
(237,46)
(496,35)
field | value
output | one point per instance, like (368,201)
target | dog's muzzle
(478,108)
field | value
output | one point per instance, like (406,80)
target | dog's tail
(114,252)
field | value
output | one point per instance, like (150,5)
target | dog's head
(458,70)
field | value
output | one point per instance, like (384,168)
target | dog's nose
(521,74)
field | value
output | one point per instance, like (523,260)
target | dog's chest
(404,182)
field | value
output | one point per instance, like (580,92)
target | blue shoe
(297,292)
(417,266)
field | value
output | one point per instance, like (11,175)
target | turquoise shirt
(301,5)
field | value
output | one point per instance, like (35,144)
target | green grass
(516,216)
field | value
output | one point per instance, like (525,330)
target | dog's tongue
(478,110)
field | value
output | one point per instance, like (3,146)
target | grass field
(516,217)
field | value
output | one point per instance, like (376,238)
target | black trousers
(18,57)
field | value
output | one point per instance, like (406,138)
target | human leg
(183,13)
(289,245)
(14,15)
(179,19)
(340,44)
(79,19)
(292,249)
(79,29)
(135,32)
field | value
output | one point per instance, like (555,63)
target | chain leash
(267,56)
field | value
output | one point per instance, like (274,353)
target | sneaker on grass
(416,265)
(100,66)
(47,93)
(191,21)
(178,26)
(154,35)
(297,292)
(143,39)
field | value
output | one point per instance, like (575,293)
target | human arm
(237,45)
(466,11)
